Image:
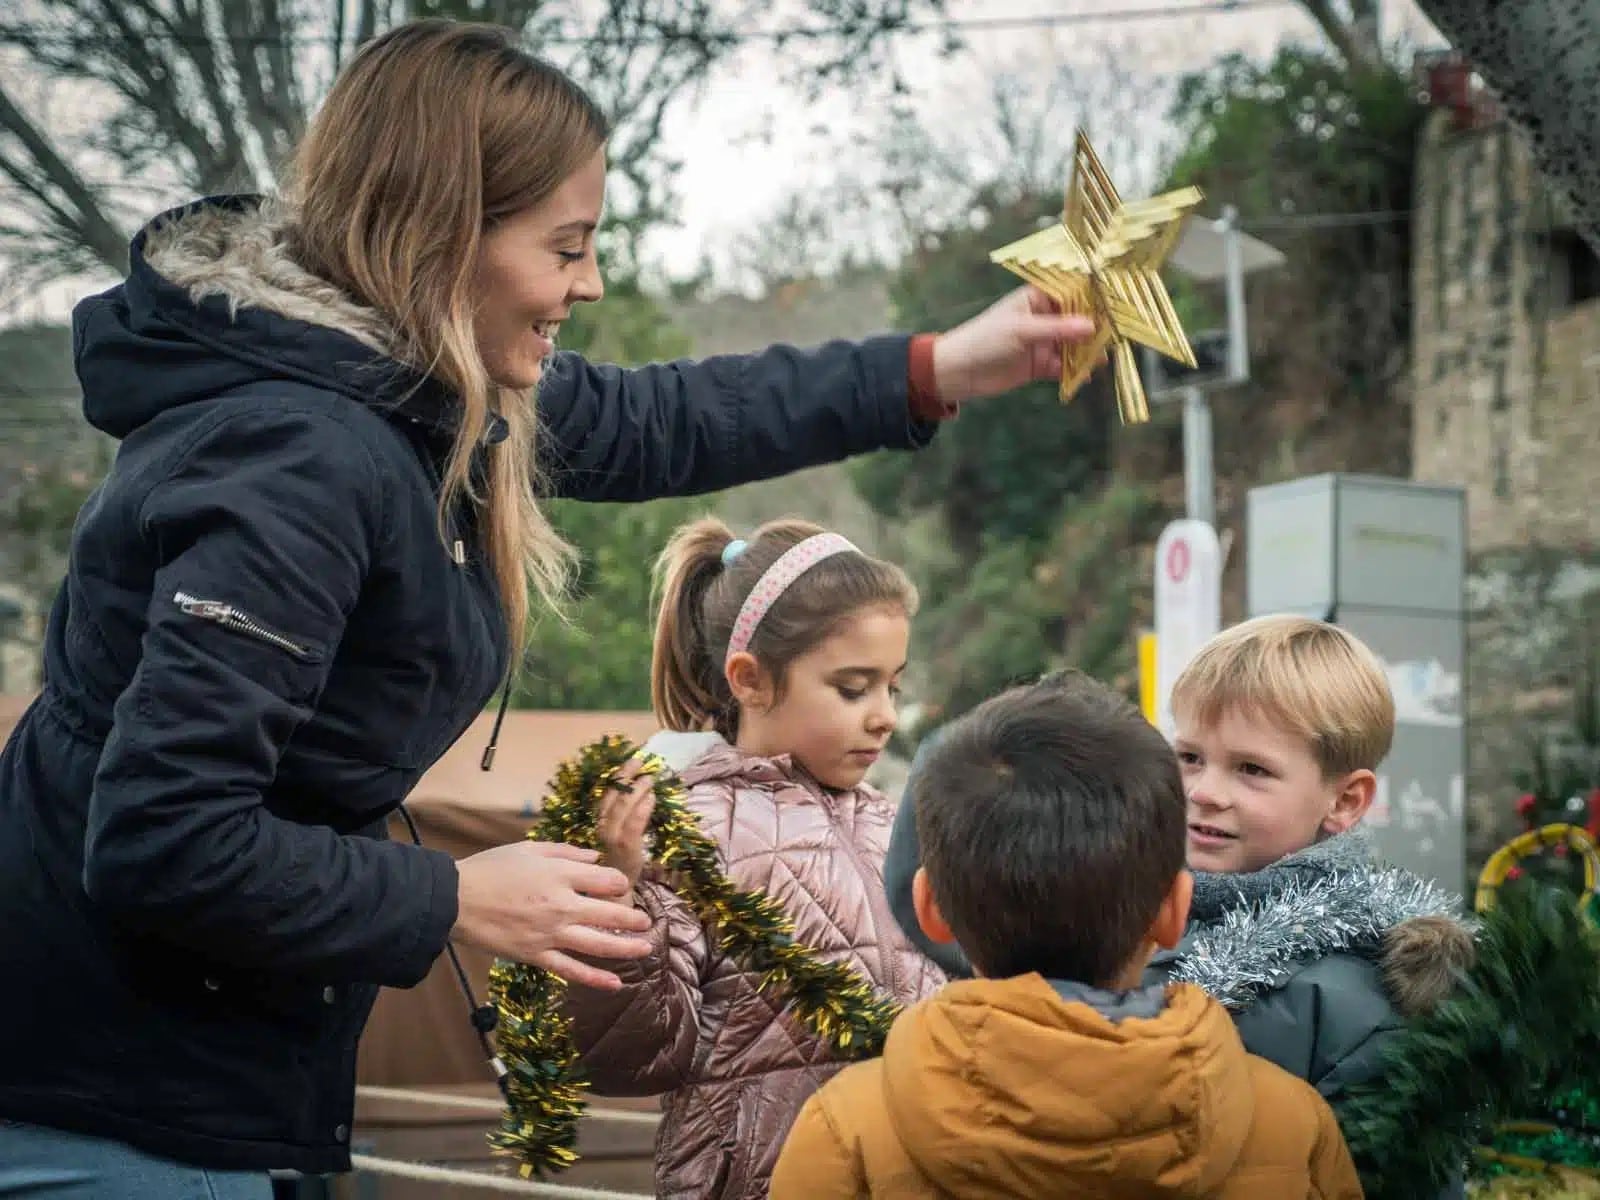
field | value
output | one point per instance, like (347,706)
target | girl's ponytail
(687,689)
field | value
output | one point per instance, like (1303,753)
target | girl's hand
(1014,341)
(543,902)
(623,818)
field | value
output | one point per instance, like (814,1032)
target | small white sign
(1425,693)
(1188,604)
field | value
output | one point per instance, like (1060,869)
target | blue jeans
(52,1164)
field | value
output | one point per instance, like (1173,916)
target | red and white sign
(1188,604)
(1178,560)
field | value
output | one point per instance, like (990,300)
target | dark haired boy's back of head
(1052,824)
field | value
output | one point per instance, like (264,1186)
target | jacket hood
(1009,1088)
(214,302)
(681,750)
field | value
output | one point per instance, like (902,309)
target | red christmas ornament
(1525,806)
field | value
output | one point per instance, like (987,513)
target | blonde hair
(433,132)
(1315,679)
(700,598)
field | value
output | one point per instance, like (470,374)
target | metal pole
(1197,483)
(1233,267)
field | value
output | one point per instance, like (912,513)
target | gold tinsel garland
(544,1093)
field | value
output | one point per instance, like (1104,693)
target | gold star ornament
(1103,261)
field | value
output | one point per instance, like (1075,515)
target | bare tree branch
(201,91)
(152,82)
(338,32)
(98,232)
(1355,37)
(367,24)
(285,94)
(249,28)
(228,164)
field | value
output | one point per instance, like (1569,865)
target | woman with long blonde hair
(308,570)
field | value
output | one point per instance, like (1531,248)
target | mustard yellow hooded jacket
(1024,1088)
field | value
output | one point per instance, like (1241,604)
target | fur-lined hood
(214,302)
(1251,932)
(237,251)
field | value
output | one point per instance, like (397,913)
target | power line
(24,36)
(1331,220)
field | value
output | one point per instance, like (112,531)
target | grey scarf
(1249,932)
(1216,892)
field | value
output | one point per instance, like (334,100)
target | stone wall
(1506,400)
(1506,342)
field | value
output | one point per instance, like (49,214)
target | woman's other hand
(544,902)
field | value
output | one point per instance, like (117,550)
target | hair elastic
(792,563)
(732,551)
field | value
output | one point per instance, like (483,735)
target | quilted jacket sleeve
(641,1041)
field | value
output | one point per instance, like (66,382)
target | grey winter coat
(1321,957)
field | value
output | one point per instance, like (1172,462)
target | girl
(777,669)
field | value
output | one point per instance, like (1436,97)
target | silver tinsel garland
(1254,948)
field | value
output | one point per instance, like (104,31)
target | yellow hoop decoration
(1525,845)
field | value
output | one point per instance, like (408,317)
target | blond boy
(1320,951)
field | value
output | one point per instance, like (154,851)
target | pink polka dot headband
(775,580)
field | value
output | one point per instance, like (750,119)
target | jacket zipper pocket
(230,617)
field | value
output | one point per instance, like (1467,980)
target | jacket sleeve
(685,428)
(900,865)
(816,1162)
(641,1040)
(279,513)
(1333,1174)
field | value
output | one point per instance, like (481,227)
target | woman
(305,575)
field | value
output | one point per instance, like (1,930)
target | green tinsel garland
(545,1096)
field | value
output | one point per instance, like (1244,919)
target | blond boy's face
(1256,793)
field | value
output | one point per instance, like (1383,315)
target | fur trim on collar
(1330,902)
(241,254)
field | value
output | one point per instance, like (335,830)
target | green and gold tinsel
(545,1095)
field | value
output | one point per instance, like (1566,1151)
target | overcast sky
(719,142)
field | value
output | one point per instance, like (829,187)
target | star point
(1103,260)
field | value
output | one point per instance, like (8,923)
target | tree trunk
(1355,36)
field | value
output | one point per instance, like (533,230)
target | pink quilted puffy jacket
(689,1022)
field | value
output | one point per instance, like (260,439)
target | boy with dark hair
(1053,850)
(1320,951)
